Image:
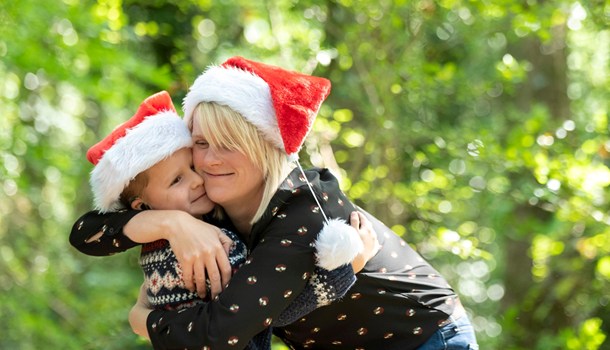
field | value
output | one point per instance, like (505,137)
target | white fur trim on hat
(154,139)
(242,91)
(337,244)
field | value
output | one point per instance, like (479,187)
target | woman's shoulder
(299,186)
(317,178)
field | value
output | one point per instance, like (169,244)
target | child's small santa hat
(154,133)
(282,104)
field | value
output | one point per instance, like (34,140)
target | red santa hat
(282,104)
(154,133)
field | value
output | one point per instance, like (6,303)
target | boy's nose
(196,180)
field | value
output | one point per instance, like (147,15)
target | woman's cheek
(198,159)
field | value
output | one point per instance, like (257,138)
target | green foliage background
(478,129)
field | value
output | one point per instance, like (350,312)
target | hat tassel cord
(312,192)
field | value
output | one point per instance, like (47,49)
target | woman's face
(232,180)
(173,184)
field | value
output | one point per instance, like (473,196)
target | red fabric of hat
(161,101)
(296,98)
(282,104)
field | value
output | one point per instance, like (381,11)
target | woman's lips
(218,175)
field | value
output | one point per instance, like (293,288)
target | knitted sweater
(165,286)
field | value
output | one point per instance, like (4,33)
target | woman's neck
(241,215)
(243,227)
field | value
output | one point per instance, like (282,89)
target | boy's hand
(369,239)
(139,313)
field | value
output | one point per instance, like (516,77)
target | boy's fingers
(355,220)
(364,221)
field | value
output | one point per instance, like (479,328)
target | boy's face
(173,184)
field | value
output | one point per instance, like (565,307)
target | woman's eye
(202,144)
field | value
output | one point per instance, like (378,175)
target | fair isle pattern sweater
(163,277)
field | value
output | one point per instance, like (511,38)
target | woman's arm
(199,247)
(100,234)
(324,287)
(201,255)
(277,270)
(327,286)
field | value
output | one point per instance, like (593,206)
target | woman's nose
(211,157)
(204,158)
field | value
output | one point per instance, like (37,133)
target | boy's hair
(222,127)
(134,189)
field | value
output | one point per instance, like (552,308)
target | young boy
(146,163)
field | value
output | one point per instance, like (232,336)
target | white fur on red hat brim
(244,92)
(337,244)
(154,139)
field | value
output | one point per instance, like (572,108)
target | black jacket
(397,302)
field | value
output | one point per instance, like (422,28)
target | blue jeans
(456,335)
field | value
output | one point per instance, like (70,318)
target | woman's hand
(139,314)
(201,248)
(369,239)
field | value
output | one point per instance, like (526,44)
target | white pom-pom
(337,244)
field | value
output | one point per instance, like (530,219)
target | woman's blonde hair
(222,127)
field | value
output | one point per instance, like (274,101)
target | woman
(248,119)
(146,163)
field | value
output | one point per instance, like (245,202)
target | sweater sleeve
(323,288)
(100,234)
(276,271)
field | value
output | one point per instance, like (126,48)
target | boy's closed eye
(176,180)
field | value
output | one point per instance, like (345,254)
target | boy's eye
(176,180)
